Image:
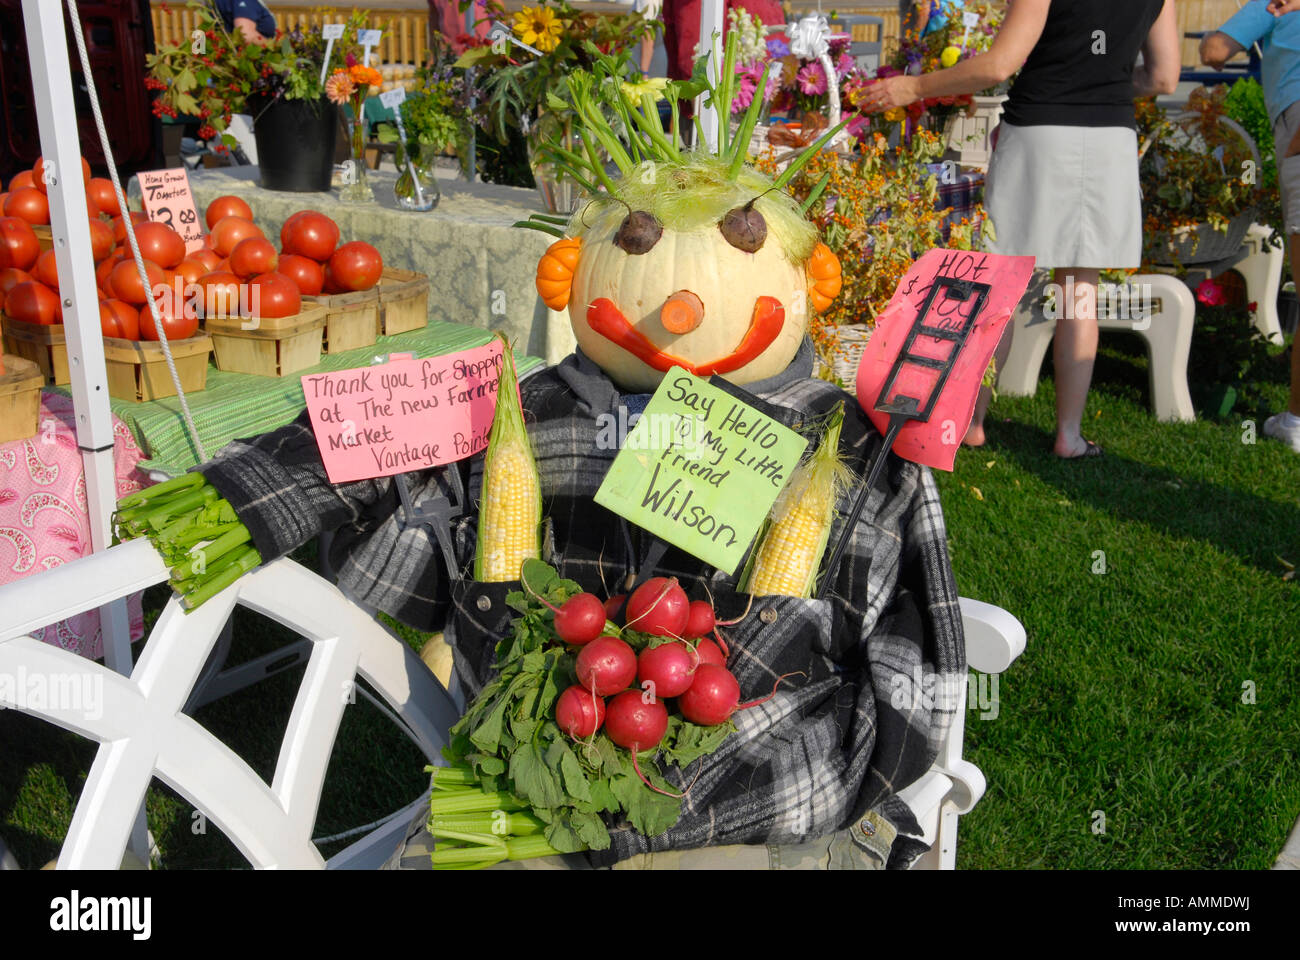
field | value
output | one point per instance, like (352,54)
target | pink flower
(858,127)
(845,65)
(812,79)
(744,94)
(351,61)
(1211,294)
(885,70)
(339,87)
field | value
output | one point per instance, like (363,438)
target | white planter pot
(968,136)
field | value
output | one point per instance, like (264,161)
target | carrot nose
(682,312)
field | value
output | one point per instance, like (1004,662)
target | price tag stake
(392,100)
(331,32)
(370,40)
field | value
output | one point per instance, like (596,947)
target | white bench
(143,731)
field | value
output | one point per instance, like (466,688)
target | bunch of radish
(626,693)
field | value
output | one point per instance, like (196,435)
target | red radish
(670,667)
(634,724)
(659,607)
(712,697)
(580,619)
(699,619)
(708,652)
(613,603)
(606,665)
(579,712)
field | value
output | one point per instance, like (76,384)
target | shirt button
(484,603)
(768,615)
(867,828)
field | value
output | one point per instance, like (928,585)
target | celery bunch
(194,530)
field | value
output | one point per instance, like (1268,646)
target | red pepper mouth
(608,321)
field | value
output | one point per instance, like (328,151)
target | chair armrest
(994,638)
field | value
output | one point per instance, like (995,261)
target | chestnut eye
(638,232)
(744,228)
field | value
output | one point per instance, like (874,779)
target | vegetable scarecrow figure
(696,260)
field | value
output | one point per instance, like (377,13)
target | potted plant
(526,90)
(214,74)
(1228,353)
(1196,200)
(877,213)
(435,122)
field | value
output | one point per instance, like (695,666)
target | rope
(130,227)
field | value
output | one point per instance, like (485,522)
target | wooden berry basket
(275,347)
(137,370)
(20,399)
(44,235)
(351,319)
(44,345)
(403,301)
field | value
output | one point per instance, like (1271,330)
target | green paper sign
(701,469)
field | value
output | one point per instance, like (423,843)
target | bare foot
(974,436)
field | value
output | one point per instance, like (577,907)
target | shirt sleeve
(261,17)
(1250,24)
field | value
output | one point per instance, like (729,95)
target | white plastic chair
(143,731)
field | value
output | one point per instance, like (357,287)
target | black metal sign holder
(435,514)
(903,408)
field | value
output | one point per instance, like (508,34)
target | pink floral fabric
(43,513)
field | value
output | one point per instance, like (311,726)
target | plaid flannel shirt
(862,724)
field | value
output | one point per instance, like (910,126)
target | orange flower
(365,76)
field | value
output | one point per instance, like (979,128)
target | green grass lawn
(1129,699)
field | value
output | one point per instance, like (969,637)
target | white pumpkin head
(659,282)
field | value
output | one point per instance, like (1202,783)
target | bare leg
(1294,405)
(647,52)
(975,434)
(1074,349)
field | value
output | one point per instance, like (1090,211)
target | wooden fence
(406,29)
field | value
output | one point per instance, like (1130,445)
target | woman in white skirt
(1062,183)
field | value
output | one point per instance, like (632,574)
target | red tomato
(125,280)
(23,179)
(105,197)
(227,206)
(18,244)
(101,239)
(38,174)
(34,302)
(179,322)
(28,203)
(102,271)
(309,234)
(223,266)
(230,230)
(190,269)
(3,198)
(47,270)
(118,319)
(274,295)
(119,228)
(221,295)
(160,243)
(355,266)
(205,256)
(10,277)
(253,256)
(306,273)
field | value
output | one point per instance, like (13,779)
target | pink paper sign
(404,415)
(168,199)
(935,442)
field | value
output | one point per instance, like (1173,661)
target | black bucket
(295,144)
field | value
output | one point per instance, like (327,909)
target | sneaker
(1277,427)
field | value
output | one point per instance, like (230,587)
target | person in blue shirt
(1276,29)
(253,21)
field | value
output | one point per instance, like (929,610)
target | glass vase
(417,183)
(559,194)
(356,183)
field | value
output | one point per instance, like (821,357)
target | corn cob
(799,525)
(510,511)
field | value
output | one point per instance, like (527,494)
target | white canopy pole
(711,23)
(56,112)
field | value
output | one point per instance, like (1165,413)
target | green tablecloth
(237,405)
(481,269)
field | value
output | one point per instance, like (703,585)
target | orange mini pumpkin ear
(824,277)
(555,271)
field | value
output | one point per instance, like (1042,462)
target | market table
(238,405)
(481,269)
(43,513)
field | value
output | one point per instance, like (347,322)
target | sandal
(1091,451)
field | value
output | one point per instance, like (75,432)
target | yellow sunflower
(651,85)
(539,27)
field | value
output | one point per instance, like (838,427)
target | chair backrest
(867,35)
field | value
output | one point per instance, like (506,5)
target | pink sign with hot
(934,441)
(404,415)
